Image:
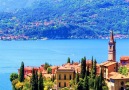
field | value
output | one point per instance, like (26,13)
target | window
(114,68)
(122,83)
(59,84)
(59,76)
(70,77)
(64,84)
(64,77)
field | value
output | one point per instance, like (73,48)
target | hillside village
(115,77)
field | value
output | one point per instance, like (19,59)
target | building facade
(63,77)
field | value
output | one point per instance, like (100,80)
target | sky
(9,5)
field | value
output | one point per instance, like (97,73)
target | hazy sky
(7,5)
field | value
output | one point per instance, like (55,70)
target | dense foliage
(123,70)
(63,19)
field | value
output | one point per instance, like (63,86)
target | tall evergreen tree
(33,81)
(92,62)
(86,83)
(36,80)
(40,82)
(77,78)
(80,85)
(21,73)
(83,67)
(87,70)
(94,69)
(68,60)
(101,80)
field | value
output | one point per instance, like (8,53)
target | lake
(55,52)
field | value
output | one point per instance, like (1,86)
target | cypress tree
(36,80)
(77,78)
(21,73)
(68,61)
(92,62)
(80,85)
(85,84)
(40,82)
(32,81)
(94,69)
(88,72)
(83,67)
(101,80)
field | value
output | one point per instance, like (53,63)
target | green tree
(123,70)
(80,85)
(91,83)
(36,80)
(49,70)
(86,83)
(101,80)
(94,69)
(33,81)
(14,82)
(77,78)
(21,73)
(87,71)
(46,65)
(40,82)
(83,67)
(13,76)
(92,62)
(68,60)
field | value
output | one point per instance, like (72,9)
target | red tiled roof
(124,58)
(116,75)
(108,63)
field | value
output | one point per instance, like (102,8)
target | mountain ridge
(66,19)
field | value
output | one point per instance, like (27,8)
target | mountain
(64,19)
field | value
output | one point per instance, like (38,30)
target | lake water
(55,52)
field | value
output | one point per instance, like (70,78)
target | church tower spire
(111,48)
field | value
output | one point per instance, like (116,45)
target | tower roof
(111,36)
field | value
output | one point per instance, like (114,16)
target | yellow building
(63,76)
(117,81)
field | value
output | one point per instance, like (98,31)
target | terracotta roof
(30,68)
(64,69)
(124,58)
(116,75)
(108,63)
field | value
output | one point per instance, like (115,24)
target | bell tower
(111,48)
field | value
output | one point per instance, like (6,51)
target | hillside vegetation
(66,19)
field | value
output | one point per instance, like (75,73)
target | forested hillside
(64,19)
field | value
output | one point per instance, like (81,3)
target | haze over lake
(55,52)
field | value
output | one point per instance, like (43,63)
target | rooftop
(116,75)
(124,58)
(108,63)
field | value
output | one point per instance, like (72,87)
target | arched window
(122,83)
(64,76)
(59,76)
(64,84)
(70,77)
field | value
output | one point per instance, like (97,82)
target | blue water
(55,52)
